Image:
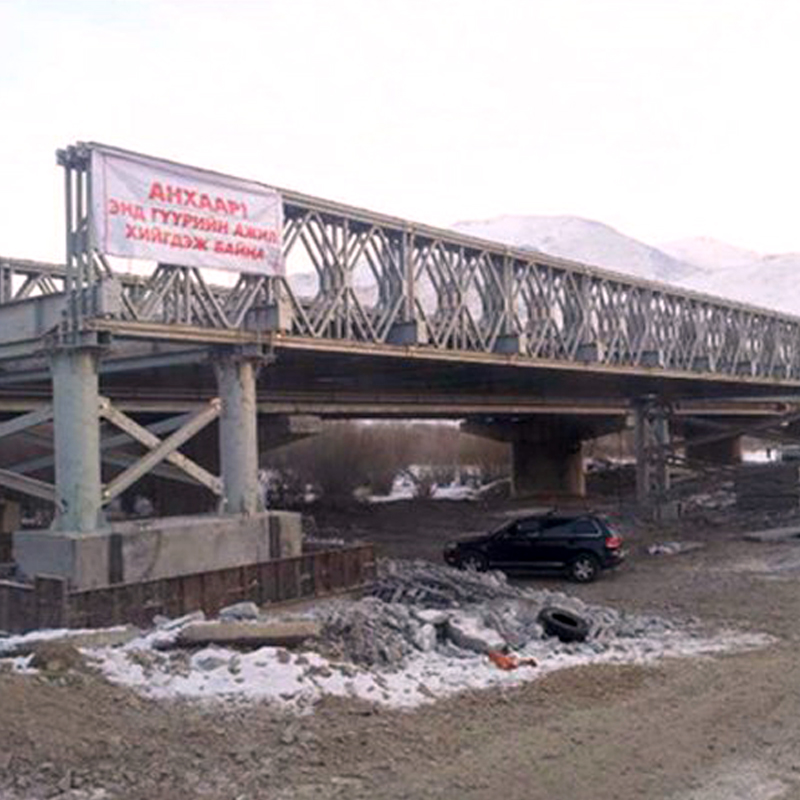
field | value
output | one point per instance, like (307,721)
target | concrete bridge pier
(238,432)
(76,432)
(546,454)
(542,463)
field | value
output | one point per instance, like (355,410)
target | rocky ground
(703,728)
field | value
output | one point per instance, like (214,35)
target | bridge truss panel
(354,276)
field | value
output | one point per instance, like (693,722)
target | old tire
(568,627)
(584,568)
(472,559)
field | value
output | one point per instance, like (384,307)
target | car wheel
(584,568)
(568,627)
(474,560)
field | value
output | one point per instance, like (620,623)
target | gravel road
(711,728)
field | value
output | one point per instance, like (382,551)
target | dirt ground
(711,728)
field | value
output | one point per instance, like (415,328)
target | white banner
(145,208)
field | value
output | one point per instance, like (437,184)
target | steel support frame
(160,450)
(652,450)
(78,412)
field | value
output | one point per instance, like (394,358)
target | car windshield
(503,526)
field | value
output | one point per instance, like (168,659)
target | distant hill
(701,263)
(772,282)
(708,253)
(582,240)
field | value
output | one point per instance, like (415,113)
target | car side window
(584,527)
(528,527)
(556,526)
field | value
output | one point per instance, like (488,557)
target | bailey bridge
(368,315)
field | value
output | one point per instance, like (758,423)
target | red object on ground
(509,661)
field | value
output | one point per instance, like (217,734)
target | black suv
(578,544)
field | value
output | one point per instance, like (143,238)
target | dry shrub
(349,455)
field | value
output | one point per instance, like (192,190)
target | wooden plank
(318,572)
(17,608)
(174,604)
(192,586)
(51,601)
(250,583)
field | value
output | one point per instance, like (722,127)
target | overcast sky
(663,118)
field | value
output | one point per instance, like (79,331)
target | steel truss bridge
(357,281)
(374,316)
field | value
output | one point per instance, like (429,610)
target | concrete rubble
(440,632)
(248,633)
(418,606)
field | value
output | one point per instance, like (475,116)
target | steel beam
(26,485)
(30,420)
(161,449)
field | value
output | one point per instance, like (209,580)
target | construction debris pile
(427,631)
(419,607)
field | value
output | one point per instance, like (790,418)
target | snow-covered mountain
(769,281)
(583,240)
(708,253)
(702,264)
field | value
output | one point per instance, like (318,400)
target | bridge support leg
(238,433)
(76,433)
(546,456)
(651,440)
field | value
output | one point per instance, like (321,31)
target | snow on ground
(407,490)
(297,680)
(300,680)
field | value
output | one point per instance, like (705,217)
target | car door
(580,535)
(516,545)
(552,549)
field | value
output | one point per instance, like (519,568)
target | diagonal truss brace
(27,485)
(22,483)
(160,449)
(25,421)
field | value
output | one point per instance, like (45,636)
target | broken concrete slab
(469,633)
(774,534)
(167,624)
(240,611)
(285,633)
(425,638)
(431,616)
(111,637)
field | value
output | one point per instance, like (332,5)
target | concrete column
(722,451)
(76,433)
(238,434)
(547,466)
